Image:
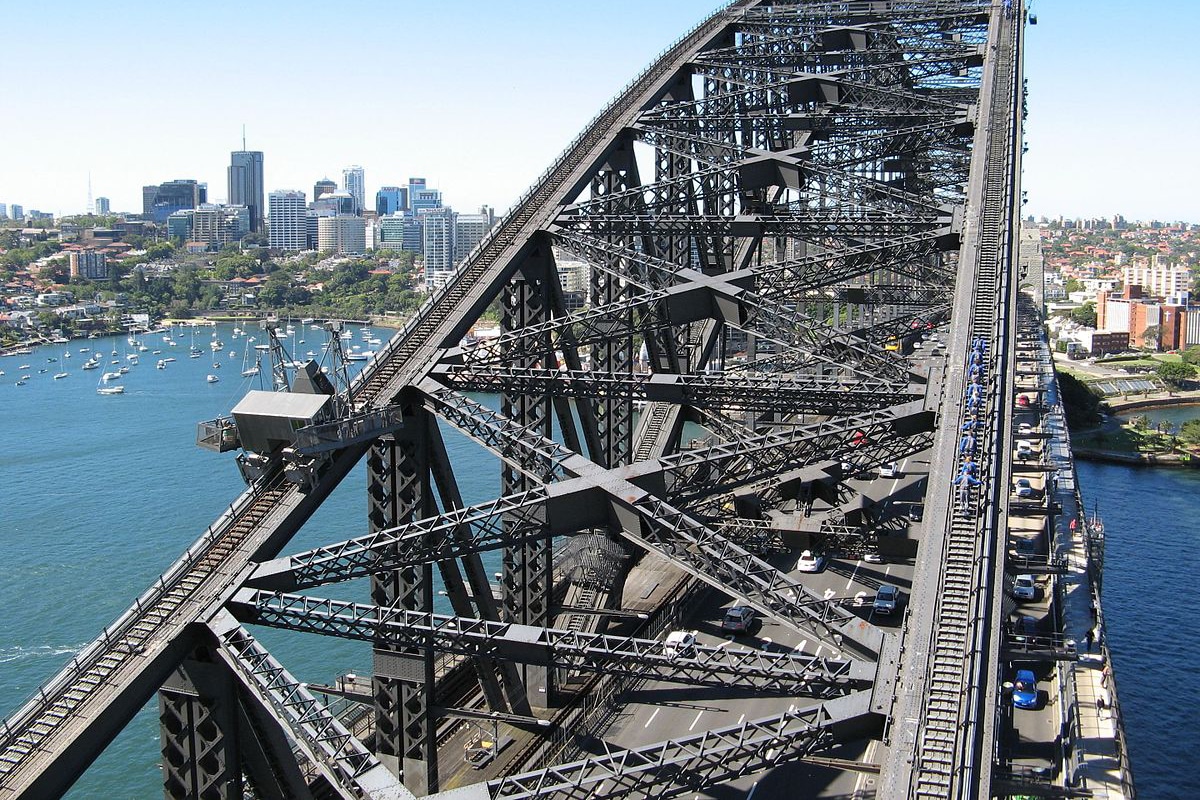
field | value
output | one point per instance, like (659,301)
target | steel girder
(784,672)
(777,158)
(351,769)
(692,763)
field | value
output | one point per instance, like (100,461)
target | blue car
(1025,693)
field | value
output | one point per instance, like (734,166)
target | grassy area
(1125,439)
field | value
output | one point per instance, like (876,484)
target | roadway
(656,710)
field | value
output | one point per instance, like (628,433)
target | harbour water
(101,493)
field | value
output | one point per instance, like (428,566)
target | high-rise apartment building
(391,200)
(246,184)
(323,186)
(3,211)
(288,220)
(212,224)
(102,205)
(354,182)
(163,200)
(17,211)
(89,264)
(439,226)
(343,234)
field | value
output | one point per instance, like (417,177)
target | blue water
(1151,564)
(100,494)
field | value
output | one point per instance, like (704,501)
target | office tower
(323,186)
(18,212)
(159,202)
(102,205)
(339,202)
(246,184)
(3,211)
(288,220)
(469,230)
(354,182)
(179,225)
(343,234)
(391,200)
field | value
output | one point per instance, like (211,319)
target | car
(1024,449)
(1025,692)
(679,644)
(886,599)
(889,470)
(872,557)
(1025,429)
(811,562)
(739,619)
(1024,588)
(1024,628)
(916,512)
(1023,488)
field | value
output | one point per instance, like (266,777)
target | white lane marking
(652,716)
(850,580)
(819,648)
(741,719)
(723,643)
(753,789)
(697,719)
(888,571)
(792,708)
(829,593)
(802,644)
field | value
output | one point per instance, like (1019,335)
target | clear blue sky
(478,97)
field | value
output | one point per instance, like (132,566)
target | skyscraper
(18,212)
(288,220)
(342,234)
(391,200)
(323,186)
(159,202)
(354,182)
(102,205)
(246,184)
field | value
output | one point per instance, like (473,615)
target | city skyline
(485,124)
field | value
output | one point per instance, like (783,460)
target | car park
(887,599)
(1025,693)
(811,562)
(739,619)
(1024,588)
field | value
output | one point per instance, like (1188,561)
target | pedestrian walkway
(1097,761)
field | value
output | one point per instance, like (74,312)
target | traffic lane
(658,713)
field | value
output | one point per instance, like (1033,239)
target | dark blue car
(1025,693)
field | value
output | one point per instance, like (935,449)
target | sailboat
(250,372)
(103,386)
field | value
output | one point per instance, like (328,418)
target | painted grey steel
(766,215)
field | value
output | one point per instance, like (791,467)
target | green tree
(1173,373)
(1189,431)
(1073,285)
(1082,407)
(1150,336)
(1085,315)
(1191,355)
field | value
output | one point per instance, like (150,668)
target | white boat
(124,370)
(111,390)
(91,363)
(156,352)
(168,359)
(67,354)
(194,355)
(262,347)
(110,376)
(61,375)
(161,364)
(212,379)
(132,358)
(19,383)
(357,356)
(24,366)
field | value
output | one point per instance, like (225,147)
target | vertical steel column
(198,722)
(398,491)
(527,579)
(614,417)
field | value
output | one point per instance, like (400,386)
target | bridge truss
(740,243)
